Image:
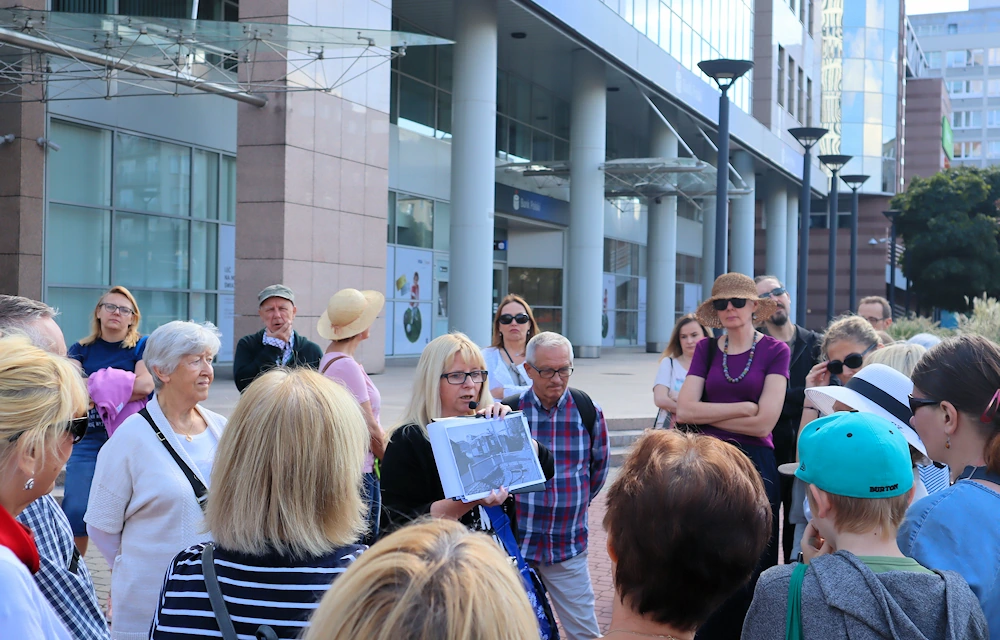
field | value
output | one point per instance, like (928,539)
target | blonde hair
(849,327)
(438,356)
(901,356)
(132,337)
(39,394)
(288,471)
(435,579)
(864,515)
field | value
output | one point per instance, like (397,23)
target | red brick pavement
(600,563)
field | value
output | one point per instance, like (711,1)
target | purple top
(771,356)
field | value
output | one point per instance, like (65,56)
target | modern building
(560,149)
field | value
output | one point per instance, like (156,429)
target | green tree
(949,224)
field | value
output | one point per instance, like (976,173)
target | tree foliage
(949,224)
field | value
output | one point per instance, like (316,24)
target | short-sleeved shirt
(671,374)
(770,356)
(101,354)
(349,372)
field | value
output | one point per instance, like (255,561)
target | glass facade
(861,87)
(156,217)
(696,30)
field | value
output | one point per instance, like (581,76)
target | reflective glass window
(873,43)
(78,245)
(934,59)
(227,190)
(151,175)
(518,141)
(420,63)
(151,251)
(873,108)
(993,87)
(519,99)
(445,64)
(994,56)
(414,221)
(83,165)
(443,129)
(160,307)
(541,109)
(76,308)
(854,75)
(204,255)
(955,59)
(854,42)
(993,118)
(873,76)
(416,105)
(442,226)
(205,185)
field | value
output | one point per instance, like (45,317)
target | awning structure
(76,56)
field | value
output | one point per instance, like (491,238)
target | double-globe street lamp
(854,181)
(807,137)
(833,162)
(725,72)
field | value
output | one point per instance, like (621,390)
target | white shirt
(671,374)
(202,450)
(500,373)
(24,611)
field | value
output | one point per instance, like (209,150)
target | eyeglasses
(991,409)
(916,403)
(873,320)
(720,305)
(77,427)
(777,291)
(458,377)
(111,308)
(564,372)
(521,318)
(852,361)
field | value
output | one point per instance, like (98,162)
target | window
(791,85)
(993,118)
(809,102)
(933,59)
(966,119)
(974,58)
(955,59)
(993,59)
(953,28)
(965,87)
(993,87)
(968,149)
(802,90)
(993,149)
(414,221)
(781,76)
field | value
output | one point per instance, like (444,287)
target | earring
(947,442)
(753,316)
(30,484)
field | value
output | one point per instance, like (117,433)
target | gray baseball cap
(275,291)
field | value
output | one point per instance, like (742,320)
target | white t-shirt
(202,450)
(671,374)
(24,611)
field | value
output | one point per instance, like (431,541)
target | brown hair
(707,504)
(532,325)
(674,349)
(879,300)
(863,515)
(965,371)
(132,337)
(849,327)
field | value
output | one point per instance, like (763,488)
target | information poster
(608,311)
(412,288)
(412,330)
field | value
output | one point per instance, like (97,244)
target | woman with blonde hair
(901,356)
(428,581)
(285,511)
(513,326)
(114,342)
(674,363)
(43,405)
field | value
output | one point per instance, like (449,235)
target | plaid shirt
(71,593)
(553,523)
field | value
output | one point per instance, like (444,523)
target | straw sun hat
(734,285)
(348,313)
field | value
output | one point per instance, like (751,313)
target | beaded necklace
(725,361)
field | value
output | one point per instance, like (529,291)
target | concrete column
(586,196)
(707,246)
(661,250)
(776,217)
(742,214)
(473,169)
(792,249)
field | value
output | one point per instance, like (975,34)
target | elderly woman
(513,326)
(114,342)
(151,478)
(428,581)
(303,435)
(713,527)
(734,391)
(41,397)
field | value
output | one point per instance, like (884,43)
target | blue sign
(534,206)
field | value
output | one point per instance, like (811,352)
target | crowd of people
(303,516)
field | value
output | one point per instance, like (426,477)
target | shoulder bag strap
(793,618)
(200,490)
(588,412)
(327,365)
(215,593)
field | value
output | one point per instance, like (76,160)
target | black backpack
(588,412)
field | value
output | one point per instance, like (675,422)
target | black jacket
(253,357)
(805,355)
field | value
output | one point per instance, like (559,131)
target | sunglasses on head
(852,361)
(720,305)
(77,427)
(521,318)
(778,291)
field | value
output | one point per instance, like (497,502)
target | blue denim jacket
(957,529)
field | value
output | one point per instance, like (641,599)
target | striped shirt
(275,590)
(553,522)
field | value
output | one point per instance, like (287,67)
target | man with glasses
(62,576)
(876,310)
(553,523)
(805,347)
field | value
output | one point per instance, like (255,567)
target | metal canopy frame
(80,56)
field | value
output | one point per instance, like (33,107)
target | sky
(916,7)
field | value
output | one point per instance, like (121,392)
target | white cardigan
(140,492)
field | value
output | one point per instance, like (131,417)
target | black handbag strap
(215,593)
(200,490)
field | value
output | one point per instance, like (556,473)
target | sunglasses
(77,427)
(916,403)
(852,361)
(720,305)
(991,409)
(521,318)
(779,291)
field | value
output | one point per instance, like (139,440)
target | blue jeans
(80,474)
(372,496)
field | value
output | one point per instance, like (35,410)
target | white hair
(547,339)
(168,344)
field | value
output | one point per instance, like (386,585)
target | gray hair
(168,344)
(19,315)
(547,339)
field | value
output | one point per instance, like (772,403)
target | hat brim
(825,397)
(375,300)
(788,469)
(709,317)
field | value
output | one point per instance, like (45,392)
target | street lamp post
(834,162)
(854,182)
(891,214)
(807,137)
(725,73)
